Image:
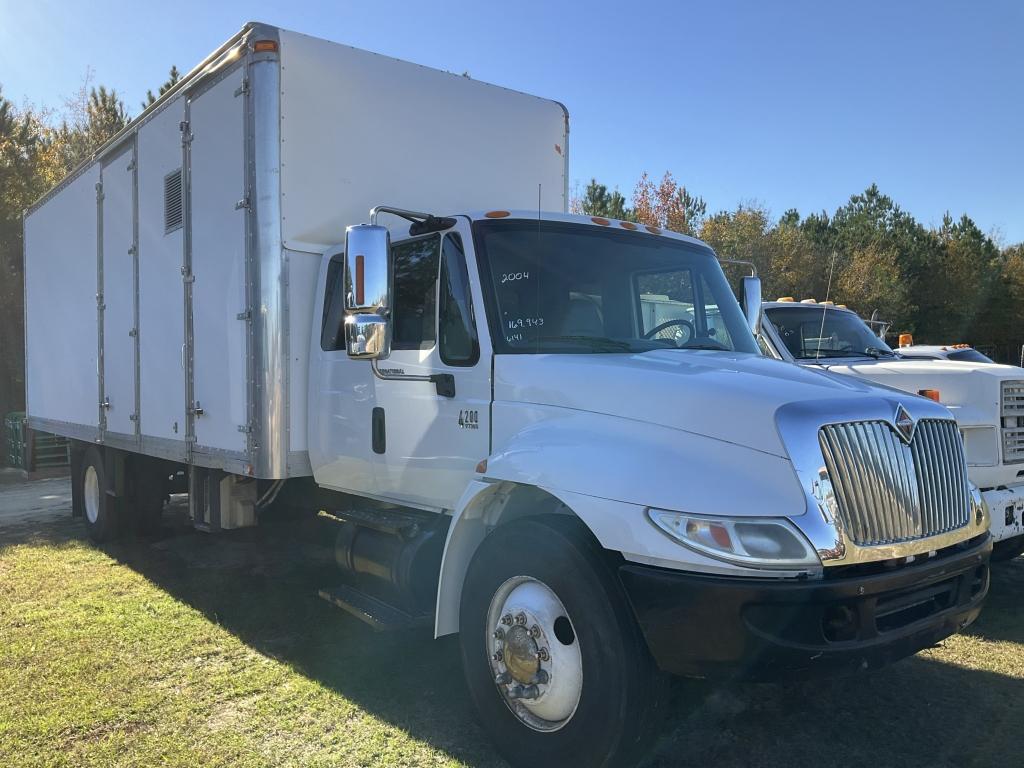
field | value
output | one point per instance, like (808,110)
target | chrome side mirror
(752,303)
(367,291)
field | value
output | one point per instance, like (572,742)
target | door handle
(378,434)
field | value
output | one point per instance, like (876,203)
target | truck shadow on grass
(932,710)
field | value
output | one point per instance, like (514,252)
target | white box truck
(468,389)
(986,399)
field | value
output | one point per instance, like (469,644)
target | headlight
(757,542)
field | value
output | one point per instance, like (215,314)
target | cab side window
(460,345)
(415,299)
(332,326)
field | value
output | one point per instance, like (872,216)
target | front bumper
(1006,509)
(709,626)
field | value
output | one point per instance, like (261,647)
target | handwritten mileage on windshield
(515,326)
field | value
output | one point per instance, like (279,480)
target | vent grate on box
(172,201)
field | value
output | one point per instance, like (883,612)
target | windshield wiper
(819,353)
(715,345)
(877,352)
(599,342)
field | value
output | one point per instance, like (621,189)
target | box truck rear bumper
(707,626)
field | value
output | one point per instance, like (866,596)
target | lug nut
(543,654)
(541,678)
(507,619)
(521,618)
(503,679)
(524,692)
(499,633)
(498,656)
(534,631)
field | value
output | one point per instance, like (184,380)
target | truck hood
(972,391)
(725,396)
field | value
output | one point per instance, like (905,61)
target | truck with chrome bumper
(986,399)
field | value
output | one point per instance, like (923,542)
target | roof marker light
(653,230)
(265,46)
(599,220)
(496,214)
(786,299)
(906,340)
(627,225)
(808,301)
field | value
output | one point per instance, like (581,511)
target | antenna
(536,337)
(824,307)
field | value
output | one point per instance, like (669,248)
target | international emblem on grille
(904,423)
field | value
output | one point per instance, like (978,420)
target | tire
(148,497)
(619,695)
(89,493)
(1008,549)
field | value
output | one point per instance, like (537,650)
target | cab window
(460,345)
(415,293)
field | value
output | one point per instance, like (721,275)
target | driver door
(432,442)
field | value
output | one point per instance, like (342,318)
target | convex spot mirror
(752,303)
(367,291)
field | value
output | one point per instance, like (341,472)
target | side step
(378,614)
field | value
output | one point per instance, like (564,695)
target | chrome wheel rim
(91,494)
(534,653)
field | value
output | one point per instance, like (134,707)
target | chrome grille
(1012,415)
(888,491)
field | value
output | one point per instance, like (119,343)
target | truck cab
(520,374)
(986,399)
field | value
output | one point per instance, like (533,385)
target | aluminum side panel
(218,263)
(118,293)
(61,377)
(303,269)
(161,308)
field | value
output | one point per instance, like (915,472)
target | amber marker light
(481,467)
(627,225)
(599,220)
(906,340)
(265,46)
(653,230)
(931,394)
(496,214)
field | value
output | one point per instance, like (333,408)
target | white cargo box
(170,281)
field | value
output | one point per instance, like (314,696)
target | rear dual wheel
(98,508)
(553,657)
(106,515)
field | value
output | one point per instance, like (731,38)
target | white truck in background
(506,445)
(987,399)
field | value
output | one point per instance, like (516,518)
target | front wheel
(553,657)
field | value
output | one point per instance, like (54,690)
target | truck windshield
(576,288)
(812,332)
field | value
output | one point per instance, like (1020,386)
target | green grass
(214,651)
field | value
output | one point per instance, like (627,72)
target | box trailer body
(551,434)
(180,264)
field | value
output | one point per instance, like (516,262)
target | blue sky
(792,104)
